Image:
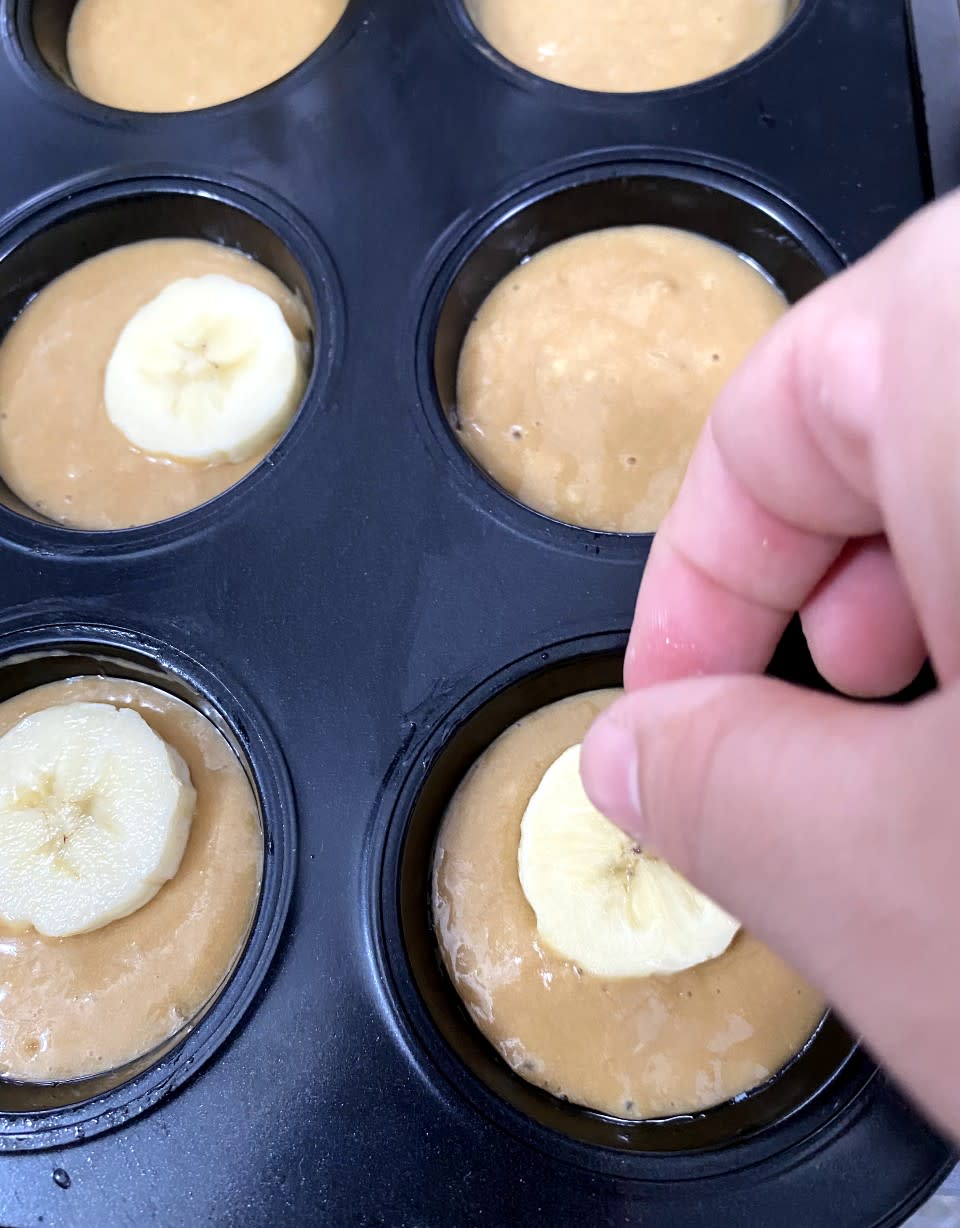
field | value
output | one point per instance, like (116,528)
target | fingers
(825,826)
(860,625)
(844,423)
(723,578)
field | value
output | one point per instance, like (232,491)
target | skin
(827,481)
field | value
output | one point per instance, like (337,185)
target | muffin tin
(366,611)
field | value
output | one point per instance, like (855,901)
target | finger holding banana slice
(602,903)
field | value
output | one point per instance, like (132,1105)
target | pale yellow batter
(85,1005)
(589,371)
(638,1048)
(624,45)
(59,452)
(179,55)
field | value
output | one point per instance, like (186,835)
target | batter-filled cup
(181,55)
(619,46)
(83,995)
(75,456)
(589,371)
(631,1047)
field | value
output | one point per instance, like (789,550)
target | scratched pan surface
(366,611)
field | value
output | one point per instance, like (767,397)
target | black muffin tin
(365,612)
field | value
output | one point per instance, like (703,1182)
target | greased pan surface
(366,611)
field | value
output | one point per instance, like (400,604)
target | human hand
(827,481)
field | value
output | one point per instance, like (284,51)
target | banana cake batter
(589,371)
(180,55)
(624,45)
(86,1004)
(632,1048)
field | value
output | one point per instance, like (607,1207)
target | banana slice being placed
(207,372)
(600,902)
(95,811)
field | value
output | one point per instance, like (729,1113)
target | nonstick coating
(366,588)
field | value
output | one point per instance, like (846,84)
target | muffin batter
(589,371)
(626,45)
(59,452)
(180,55)
(633,1048)
(84,1005)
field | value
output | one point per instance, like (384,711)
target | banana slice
(95,811)
(599,901)
(208,371)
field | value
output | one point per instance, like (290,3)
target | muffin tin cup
(36,32)
(92,217)
(819,1096)
(623,188)
(828,1073)
(35,1116)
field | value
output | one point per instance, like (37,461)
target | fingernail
(609,765)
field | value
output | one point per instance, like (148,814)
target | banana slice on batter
(207,372)
(600,901)
(95,812)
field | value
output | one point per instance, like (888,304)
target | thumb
(825,826)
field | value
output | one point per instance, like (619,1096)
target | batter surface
(645,1047)
(625,45)
(84,1005)
(589,371)
(59,452)
(178,55)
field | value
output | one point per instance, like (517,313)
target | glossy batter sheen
(59,452)
(624,45)
(644,1047)
(589,371)
(84,1005)
(178,55)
